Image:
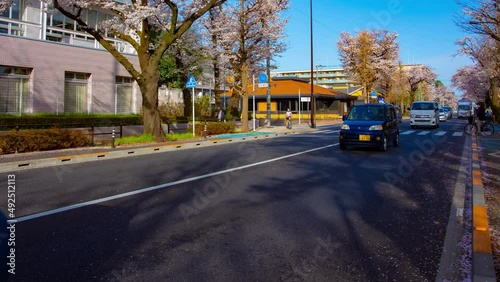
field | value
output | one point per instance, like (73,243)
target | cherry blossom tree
(472,81)
(417,77)
(484,52)
(480,17)
(442,94)
(150,27)
(249,32)
(400,88)
(369,57)
(189,56)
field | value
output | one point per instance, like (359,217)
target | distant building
(295,93)
(331,78)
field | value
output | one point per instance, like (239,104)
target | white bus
(464,109)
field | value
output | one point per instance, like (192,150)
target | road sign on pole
(191,83)
(262,78)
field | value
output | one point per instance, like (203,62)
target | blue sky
(426,31)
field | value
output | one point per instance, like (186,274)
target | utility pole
(313,124)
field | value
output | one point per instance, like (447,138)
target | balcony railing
(57,34)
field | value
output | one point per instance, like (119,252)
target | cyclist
(481,115)
(288,121)
(489,114)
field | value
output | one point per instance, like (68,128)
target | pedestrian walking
(288,119)
(220,114)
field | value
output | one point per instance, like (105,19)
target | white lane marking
(457,133)
(407,132)
(157,187)
(324,131)
(440,133)
(313,136)
(423,133)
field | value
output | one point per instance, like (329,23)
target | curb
(126,152)
(483,268)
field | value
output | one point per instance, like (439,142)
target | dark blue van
(370,125)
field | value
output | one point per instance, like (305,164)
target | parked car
(370,125)
(450,111)
(443,115)
(424,113)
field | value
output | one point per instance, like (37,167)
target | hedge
(65,121)
(213,128)
(42,140)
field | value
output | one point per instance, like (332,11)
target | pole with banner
(191,83)
(299,106)
(253,96)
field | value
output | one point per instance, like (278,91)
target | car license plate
(364,137)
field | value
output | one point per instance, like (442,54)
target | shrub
(42,140)
(39,121)
(170,110)
(213,128)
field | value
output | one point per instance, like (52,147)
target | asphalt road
(292,208)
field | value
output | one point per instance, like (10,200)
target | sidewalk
(22,161)
(486,208)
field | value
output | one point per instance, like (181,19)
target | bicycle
(288,123)
(487,127)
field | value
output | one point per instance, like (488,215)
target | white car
(424,113)
(443,114)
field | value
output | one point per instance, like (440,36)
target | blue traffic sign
(262,78)
(191,82)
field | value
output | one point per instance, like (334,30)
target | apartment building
(48,66)
(328,77)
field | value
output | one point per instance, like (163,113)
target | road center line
(157,187)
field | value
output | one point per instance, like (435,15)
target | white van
(424,113)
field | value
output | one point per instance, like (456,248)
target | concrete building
(47,66)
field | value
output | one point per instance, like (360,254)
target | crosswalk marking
(407,132)
(423,133)
(440,133)
(458,133)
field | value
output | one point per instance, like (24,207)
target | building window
(75,92)
(13,13)
(123,95)
(14,90)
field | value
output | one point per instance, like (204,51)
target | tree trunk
(151,114)
(495,96)
(217,86)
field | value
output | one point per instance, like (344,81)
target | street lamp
(313,124)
